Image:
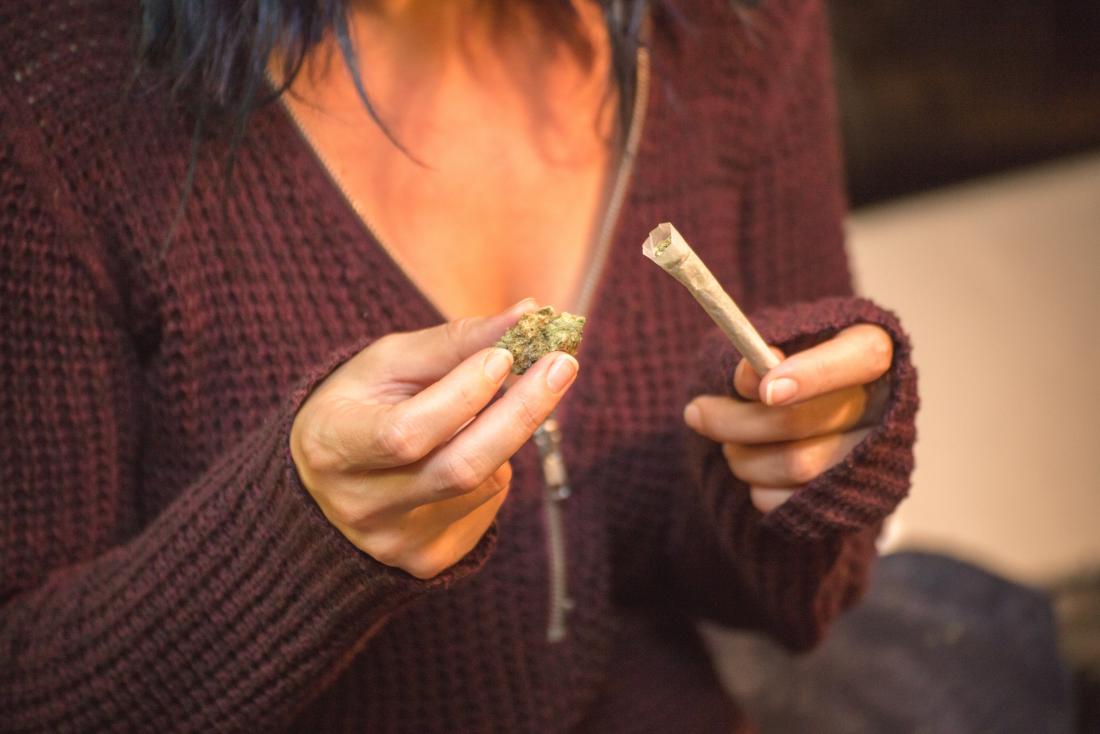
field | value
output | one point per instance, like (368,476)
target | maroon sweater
(161,567)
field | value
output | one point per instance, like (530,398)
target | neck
(477,28)
(428,66)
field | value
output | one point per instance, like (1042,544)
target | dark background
(937,91)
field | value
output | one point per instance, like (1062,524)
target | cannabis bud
(540,332)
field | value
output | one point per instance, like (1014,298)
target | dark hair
(215,53)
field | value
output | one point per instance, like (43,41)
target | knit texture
(162,569)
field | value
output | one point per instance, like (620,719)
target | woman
(254,476)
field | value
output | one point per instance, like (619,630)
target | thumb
(427,355)
(745,380)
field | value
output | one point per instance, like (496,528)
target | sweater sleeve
(791,571)
(230,610)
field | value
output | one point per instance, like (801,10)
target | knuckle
(456,331)
(461,475)
(458,327)
(318,455)
(424,565)
(704,415)
(388,551)
(432,558)
(348,511)
(467,399)
(528,415)
(497,483)
(802,466)
(734,461)
(401,441)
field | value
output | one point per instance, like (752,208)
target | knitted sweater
(161,566)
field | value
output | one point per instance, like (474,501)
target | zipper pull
(548,439)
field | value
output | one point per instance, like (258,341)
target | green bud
(540,332)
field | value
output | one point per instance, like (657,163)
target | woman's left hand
(803,417)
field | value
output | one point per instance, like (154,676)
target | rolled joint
(667,248)
(664,246)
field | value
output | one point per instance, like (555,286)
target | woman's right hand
(401,454)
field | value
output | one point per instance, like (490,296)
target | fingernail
(693,416)
(561,373)
(498,364)
(780,390)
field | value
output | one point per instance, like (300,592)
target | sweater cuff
(872,480)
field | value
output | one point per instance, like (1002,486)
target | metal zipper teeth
(548,437)
(560,602)
(548,440)
(622,180)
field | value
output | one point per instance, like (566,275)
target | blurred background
(939,91)
(972,142)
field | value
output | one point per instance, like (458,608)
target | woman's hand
(399,450)
(803,417)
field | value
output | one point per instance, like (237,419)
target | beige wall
(999,284)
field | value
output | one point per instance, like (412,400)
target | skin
(507,129)
(401,453)
(400,447)
(782,435)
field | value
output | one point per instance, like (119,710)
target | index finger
(424,356)
(501,429)
(857,355)
(369,436)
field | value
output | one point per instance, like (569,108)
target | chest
(478,210)
(489,225)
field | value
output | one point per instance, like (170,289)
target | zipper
(548,437)
(618,192)
(548,440)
